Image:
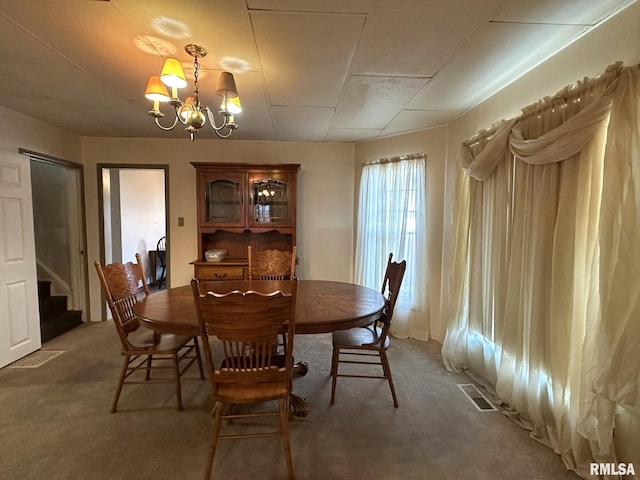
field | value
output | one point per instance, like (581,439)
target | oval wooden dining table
(322,307)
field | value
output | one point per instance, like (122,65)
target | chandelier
(191,112)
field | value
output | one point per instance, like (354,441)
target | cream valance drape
(544,282)
(553,146)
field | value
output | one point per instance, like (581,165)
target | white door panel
(19,317)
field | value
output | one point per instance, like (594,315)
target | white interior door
(19,317)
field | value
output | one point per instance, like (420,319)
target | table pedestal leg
(300,369)
(298,404)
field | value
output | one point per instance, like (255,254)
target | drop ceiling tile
(413,120)
(18,46)
(73,86)
(50,111)
(585,12)
(302,123)
(351,135)
(371,102)
(261,132)
(327,6)
(12,87)
(416,37)
(222,28)
(491,60)
(106,54)
(255,121)
(303,64)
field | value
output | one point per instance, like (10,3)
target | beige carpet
(55,423)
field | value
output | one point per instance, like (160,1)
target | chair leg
(123,372)
(284,426)
(387,373)
(176,370)
(334,373)
(161,279)
(217,421)
(148,372)
(196,343)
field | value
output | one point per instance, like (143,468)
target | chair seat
(238,393)
(144,339)
(277,361)
(263,392)
(355,338)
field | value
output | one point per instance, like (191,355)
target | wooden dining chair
(272,265)
(144,350)
(161,253)
(372,340)
(244,324)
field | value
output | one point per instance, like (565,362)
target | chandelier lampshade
(226,85)
(172,74)
(183,111)
(156,90)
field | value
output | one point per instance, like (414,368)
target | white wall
(142,209)
(20,131)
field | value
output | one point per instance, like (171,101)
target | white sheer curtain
(392,219)
(545,291)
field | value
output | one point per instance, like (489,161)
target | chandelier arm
(229,131)
(212,120)
(175,122)
(179,118)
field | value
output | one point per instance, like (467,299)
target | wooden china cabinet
(242,204)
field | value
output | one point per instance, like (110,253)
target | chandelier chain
(196,67)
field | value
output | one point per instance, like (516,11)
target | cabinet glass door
(222,202)
(270,201)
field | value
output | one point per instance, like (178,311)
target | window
(391,219)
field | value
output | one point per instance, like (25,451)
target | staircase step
(44,289)
(52,306)
(56,325)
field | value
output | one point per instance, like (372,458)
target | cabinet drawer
(219,272)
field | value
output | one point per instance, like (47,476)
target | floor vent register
(35,359)
(476,397)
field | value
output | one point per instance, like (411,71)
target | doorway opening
(59,231)
(133,217)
